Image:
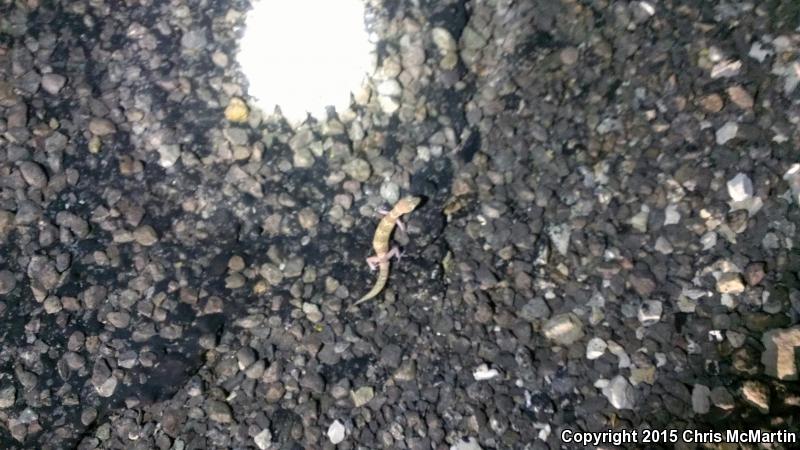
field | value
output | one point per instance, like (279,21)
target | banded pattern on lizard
(380,243)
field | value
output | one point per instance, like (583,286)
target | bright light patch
(305,55)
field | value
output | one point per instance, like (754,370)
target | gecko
(380,243)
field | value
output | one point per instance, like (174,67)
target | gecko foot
(373,262)
(395,253)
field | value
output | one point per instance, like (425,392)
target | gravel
(608,236)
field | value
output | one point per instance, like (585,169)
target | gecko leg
(395,253)
(384,211)
(374,261)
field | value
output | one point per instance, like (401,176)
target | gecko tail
(380,283)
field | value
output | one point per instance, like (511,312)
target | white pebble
(390,88)
(483,372)
(725,69)
(619,351)
(336,432)
(263,439)
(671,215)
(650,312)
(758,52)
(740,188)
(727,132)
(620,393)
(792,176)
(595,348)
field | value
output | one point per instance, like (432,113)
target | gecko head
(407,204)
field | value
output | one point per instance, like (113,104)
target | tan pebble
(236,263)
(712,103)
(145,235)
(569,56)
(94,145)
(237,110)
(260,287)
(730,283)
(101,127)
(740,97)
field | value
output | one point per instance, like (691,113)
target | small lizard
(381,245)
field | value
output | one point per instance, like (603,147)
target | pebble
(483,373)
(712,103)
(107,388)
(448,49)
(312,312)
(389,105)
(390,88)
(727,132)
(119,319)
(336,432)
(7,282)
(701,399)
(619,392)
(560,236)
(778,357)
(52,83)
(362,396)
(168,155)
(757,394)
(263,439)
(792,176)
(758,52)
(145,235)
(671,215)
(730,283)
(735,338)
(721,398)
(740,188)
(219,412)
(469,443)
(563,329)
(740,97)
(73,222)
(245,183)
(650,312)
(568,56)
(219,59)
(358,169)
(595,348)
(308,218)
(663,246)
(643,375)
(624,361)
(194,40)
(8,396)
(754,273)
(101,127)
(726,69)
(534,309)
(390,192)
(43,271)
(639,220)
(303,158)
(406,372)
(237,110)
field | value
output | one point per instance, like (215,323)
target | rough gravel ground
(608,240)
